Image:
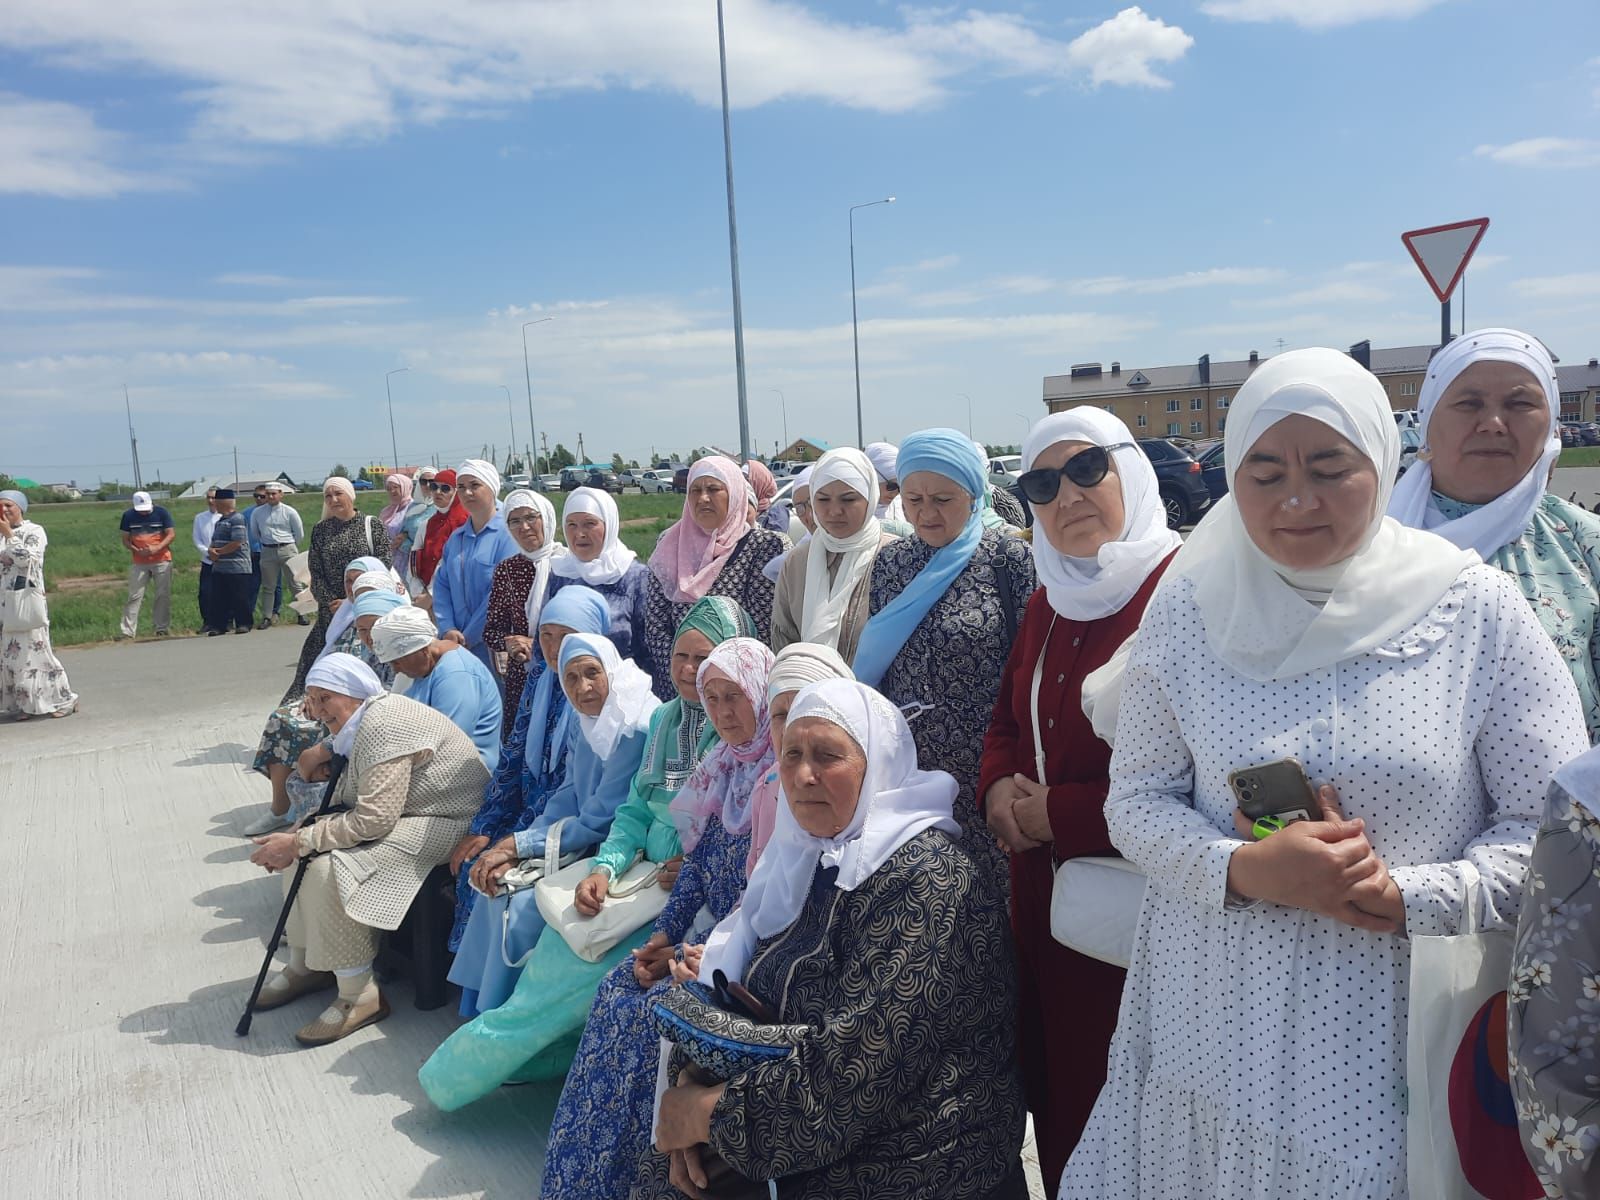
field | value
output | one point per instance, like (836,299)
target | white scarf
(825,602)
(1257,617)
(897,802)
(549,553)
(614,559)
(1505,518)
(1086,589)
(348,676)
(630,699)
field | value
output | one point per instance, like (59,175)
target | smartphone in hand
(1277,789)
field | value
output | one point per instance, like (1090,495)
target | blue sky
(249,212)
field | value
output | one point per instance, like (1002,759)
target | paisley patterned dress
(1555,563)
(741,579)
(601,1128)
(335,544)
(953,662)
(908,1084)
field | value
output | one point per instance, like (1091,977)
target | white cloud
(48,148)
(51,289)
(1112,285)
(1122,49)
(1581,286)
(257,279)
(323,71)
(1343,291)
(1316,14)
(1544,152)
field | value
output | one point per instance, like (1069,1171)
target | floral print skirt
(32,680)
(288,734)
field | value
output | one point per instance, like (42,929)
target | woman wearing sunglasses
(1100,545)
(448,516)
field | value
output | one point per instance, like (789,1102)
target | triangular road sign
(1442,252)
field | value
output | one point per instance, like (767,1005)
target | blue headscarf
(951,454)
(16,498)
(375,604)
(582,610)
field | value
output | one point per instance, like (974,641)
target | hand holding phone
(1275,794)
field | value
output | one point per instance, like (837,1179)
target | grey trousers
(140,574)
(273,571)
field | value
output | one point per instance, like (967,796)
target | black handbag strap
(1008,601)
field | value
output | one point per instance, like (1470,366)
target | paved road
(133,926)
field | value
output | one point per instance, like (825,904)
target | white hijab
(629,700)
(549,554)
(897,802)
(1086,589)
(825,602)
(885,457)
(614,559)
(348,676)
(1506,517)
(1268,622)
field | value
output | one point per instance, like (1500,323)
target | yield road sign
(1443,251)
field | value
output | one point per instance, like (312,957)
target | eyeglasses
(1084,469)
(439,487)
(523,522)
(261,495)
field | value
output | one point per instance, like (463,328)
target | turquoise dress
(1556,562)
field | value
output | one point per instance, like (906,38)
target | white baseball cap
(142,502)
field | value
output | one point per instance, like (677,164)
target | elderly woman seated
(864,921)
(442,677)
(411,783)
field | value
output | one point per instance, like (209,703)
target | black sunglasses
(1085,469)
(439,487)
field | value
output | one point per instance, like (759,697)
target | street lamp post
(968,399)
(733,246)
(533,433)
(855,332)
(394,446)
(784,408)
(512,417)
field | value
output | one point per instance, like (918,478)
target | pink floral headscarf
(687,559)
(393,514)
(724,783)
(766,487)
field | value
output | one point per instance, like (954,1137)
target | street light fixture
(394,446)
(784,406)
(533,435)
(855,331)
(968,399)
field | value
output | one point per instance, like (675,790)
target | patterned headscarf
(394,513)
(403,631)
(723,783)
(687,559)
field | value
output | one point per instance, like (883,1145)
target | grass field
(86,566)
(1580,456)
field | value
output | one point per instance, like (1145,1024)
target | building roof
(1091,381)
(814,443)
(1580,377)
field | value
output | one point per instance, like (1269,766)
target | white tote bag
(1457,1011)
(632,902)
(22,608)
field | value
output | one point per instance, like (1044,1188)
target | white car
(785,497)
(654,482)
(1004,469)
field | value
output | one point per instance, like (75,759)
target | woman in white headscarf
(1100,544)
(466,567)
(885,457)
(866,922)
(825,583)
(598,558)
(517,593)
(1489,413)
(1260,1049)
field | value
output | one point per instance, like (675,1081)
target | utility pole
(583,456)
(236,466)
(545,438)
(733,246)
(133,442)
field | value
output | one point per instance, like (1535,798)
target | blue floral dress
(952,662)
(1556,562)
(626,601)
(601,1127)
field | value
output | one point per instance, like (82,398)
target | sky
(249,212)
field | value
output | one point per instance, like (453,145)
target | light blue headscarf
(16,498)
(375,604)
(951,454)
(583,610)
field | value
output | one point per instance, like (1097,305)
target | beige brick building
(1191,400)
(1580,390)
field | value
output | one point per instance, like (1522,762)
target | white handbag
(1457,1002)
(22,608)
(1094,903)
(633,900)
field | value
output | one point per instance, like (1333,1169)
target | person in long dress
(1261,1045)
(517,593)
(341,536)
(1489,413)
(598,558)
(413,523)
(466,568)
(825,582)
(1100,545)
(33,682)
(711,550)
(865,922)
(946,603)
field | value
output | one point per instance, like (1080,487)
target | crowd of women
(828,788)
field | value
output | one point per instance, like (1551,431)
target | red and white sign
(1443,251)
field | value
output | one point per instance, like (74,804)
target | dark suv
(604,481)
(1182,481)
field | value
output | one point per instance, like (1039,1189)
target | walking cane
(335,769)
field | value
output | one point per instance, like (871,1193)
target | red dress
(1067,1003)
(436,533)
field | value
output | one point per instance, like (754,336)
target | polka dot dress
(1260,1050)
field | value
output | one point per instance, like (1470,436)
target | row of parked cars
(1580,433)
(1190,476)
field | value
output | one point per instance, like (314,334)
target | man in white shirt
(204,522)
(277,526)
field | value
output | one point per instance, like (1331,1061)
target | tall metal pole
(1444,323)
(394,446)
(855,331)
(783,406)
(968,399)
(533,436)
(511,448)
(133,442)
(733,246)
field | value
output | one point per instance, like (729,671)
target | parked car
(1589,433)
(1570,435)
(573,478)
(785,498)
(1181,479)
(1406,418)
(680,480)
(363,485)
(1004,469)
(604,481)
(1213,470)
(514,482)
(548,483)
(653,482)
